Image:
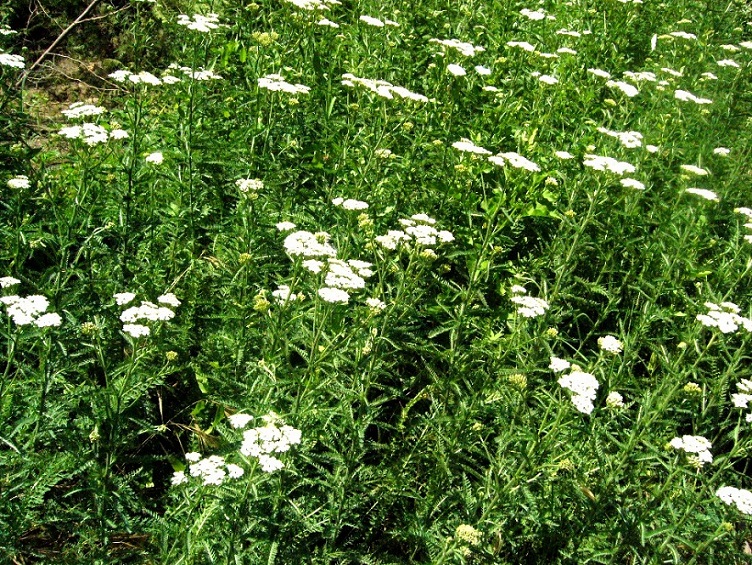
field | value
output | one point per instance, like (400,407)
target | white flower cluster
(610,344)
(724,316)
(602,163)
(204,24)
(536,15)
(198,74)
(641,76)
(683,35)
(600,73)
(748,213)
(212,470)
(277,83)
(628,89)
(144,77)
(632,183)
(524,45)
(284,294)
(703,193)
(695,170)
(629,139)
(456,70)
(740,498)
(273,437)
(382,88)
(306,244)
(515,160)
(583,386)
(418,229)
(350,204)
(26,310)
(743,398)
(147,311)
(19,181)
(249,185)
(375,22)
(81,110)
(92,134)
(527,306)
(156,158)
(8,60)
(467,146)
(313,4)
(697,446)
(685,96)
(465,49)
(5,30)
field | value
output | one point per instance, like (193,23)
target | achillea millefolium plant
(381,282)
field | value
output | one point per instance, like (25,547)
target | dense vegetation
(302,281)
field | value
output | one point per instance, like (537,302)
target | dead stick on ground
(59,38)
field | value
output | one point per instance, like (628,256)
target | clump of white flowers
(203,24)
(155,158)
(629,139)
(685,96)
(724,316)
(273,437)
(743,398)
(698,448)
(212,470)
(92,134)
(249,185)
(382,88)
(19,181)
(515,160)
(628,89)
(28,310)
(583,387)
(81,110)
(695,170)
(9,60)
(277,83)
(527,306)
(306,244)
(610,344)
(703,193)
(614,400)
(467,146)
(418,229)
(466,49)
(603,163)
(350,204)
(740,498)
(133,317)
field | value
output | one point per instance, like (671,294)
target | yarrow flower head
(724,316)
(703,193)
(610,344)
(465,49)
(203,24)
(696,446)
(19,181)
(350,204)
(8,60)
(155,158)
(529,306)
(81,110)
(584,387)
(614,400)
(558,365)
(274,437)
(276,83)
(740,498)
(249,185)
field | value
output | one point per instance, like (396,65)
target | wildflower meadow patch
(310,281)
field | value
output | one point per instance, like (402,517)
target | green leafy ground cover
(383,282)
